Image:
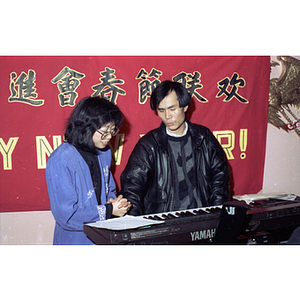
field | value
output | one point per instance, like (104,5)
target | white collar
(177,135)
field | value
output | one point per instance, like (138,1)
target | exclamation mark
(243,142)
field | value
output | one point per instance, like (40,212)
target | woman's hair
(90,114)
(164,89)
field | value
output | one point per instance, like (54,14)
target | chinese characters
(192,83)
(107,87)
(234,83)
(67,82)
(146,85)
(23,89)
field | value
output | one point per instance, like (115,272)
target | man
(179,165)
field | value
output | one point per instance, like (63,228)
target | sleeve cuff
(105,211)
(102,212)
(109,209)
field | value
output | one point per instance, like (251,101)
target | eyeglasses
(113,131)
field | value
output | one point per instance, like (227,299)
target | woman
(81,188)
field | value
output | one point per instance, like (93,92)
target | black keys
(168,216)
(183,214)
(199,212)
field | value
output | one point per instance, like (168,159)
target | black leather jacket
(148,182)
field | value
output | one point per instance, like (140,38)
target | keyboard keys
(183,213)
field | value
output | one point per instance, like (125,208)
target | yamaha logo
(230,210)
(203,234)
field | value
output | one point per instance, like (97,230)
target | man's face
(171,114)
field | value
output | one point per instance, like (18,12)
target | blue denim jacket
(71,192)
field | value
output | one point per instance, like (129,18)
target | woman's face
(103,135)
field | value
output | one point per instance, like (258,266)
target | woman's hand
(120,206)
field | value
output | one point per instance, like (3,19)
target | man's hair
(164,89)
(90,114)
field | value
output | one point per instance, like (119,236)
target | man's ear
(186,108)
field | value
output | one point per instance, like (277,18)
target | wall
(26,228)
(282,163)
(282,174)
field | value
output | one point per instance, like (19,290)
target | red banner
(37,94)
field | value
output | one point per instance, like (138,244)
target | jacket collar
(162,137)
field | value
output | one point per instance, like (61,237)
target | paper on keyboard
(253,197)
(126,222)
